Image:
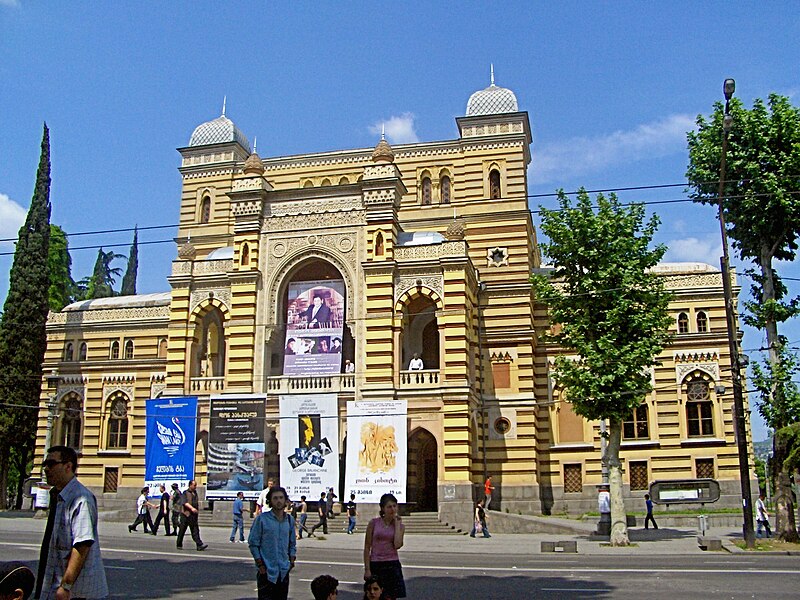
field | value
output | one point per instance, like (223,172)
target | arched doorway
(420,332)
(423,471)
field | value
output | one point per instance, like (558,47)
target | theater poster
(236,446)
(309,444)
(170,438)
(314,326)
(377,450)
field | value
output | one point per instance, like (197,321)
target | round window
(502,425)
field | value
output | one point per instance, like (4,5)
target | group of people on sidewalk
(181,509)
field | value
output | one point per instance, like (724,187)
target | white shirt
(416,364)
(262,498)
(141,504)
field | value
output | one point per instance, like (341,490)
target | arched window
(635,427)
(71,411)
(344,181)
(128,349)
(114,353)
(495,193)
(118,421)
(69,352)
(426,191)
(445,187)
(379,244)
(83,351)
(683,323)
(699,409)
(702,322)
(308,183)
(245,257)
(205,209)
(325,182)
(162,348)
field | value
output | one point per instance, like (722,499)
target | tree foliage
(777,406)
(22,328)
(612,311)
(101,283)
(62,286)
(129,280)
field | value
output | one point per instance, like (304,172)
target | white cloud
(579,156)
(692,249)
(399,129)
(12,216)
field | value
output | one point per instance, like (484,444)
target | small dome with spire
(492,100)
(253,165)
(218,131)
(383,151)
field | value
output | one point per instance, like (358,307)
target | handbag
(478,527)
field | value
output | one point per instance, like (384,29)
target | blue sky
(611,89)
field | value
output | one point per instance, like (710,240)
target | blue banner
(170,441)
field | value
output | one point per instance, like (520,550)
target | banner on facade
(236,447)
(314,327)
(170,439)
(309,444)
(377,450)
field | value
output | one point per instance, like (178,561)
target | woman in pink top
(383,539)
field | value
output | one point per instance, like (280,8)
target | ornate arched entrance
(422,471)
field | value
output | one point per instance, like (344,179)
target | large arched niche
(309,266)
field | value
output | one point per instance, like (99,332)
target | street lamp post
(740,426)
(52,387)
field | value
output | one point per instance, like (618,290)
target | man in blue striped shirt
(274,547)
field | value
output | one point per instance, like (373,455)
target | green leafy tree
(761,205)
(22,332)
(613,315)
(129,280)
(62,286)
(101,283)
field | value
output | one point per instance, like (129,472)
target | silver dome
(491,101)
(219,131)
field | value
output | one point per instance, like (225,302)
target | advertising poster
(236,447)
(377,451)
(309,444)
(170,438)
(314,326)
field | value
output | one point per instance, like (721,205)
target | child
(324,587)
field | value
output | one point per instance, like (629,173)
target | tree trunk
(619,520)
(22,475)
(4,464)
(785,525)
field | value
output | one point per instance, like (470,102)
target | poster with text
(236,447)
(314,327)
(377,450)
(170,438)
(309,444)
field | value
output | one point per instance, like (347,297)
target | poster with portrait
(236,446)
(377,450)
(314,327)
(170,436)
(309,444)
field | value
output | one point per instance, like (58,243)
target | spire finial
(492,71)
(383,131)
(224,102)
(255,145)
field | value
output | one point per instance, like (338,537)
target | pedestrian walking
(762,517)
(649,518)
(325,587)
(487,492)
(163,511)
(352,513)
(479,522)
(302,516)
(383,539)
(143,507)
(238,518)
(70,564)
(177,508)
(16,581)
(273,546)
(261,502)
(191,509)
(322,511)
(329,498)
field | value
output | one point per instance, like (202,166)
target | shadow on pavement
(486,588)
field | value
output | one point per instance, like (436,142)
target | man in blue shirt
(238,518)
(274,547)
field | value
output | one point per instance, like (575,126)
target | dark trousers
(323,522)
(160,516)
(649,519)
(176,521)
(191,523)
(272,591)
(143,518)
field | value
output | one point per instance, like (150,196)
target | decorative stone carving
(111,388)
(187,251)
(432,251)
(346,244)
(311,207)
(379,196)
(209,267)
(246,208)
(497,257)
(456,230)
(383,153)
(278,249)
(181,267)
(313,221)
(203,294)
(253,165)
(111,316)
(408,282)
(693,281)
(683,369)
(66,390)
(380,171)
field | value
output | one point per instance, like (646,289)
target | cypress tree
(129,280)
(23,338)
(62,287)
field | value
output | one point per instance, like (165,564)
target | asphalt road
(140,566)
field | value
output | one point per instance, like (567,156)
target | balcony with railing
(297,384)
(419,379)
(207,384)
